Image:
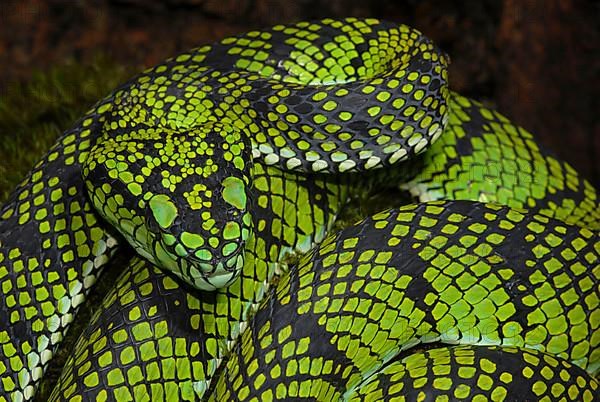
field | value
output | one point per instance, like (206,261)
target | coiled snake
(220,163)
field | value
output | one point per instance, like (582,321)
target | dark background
(536,61)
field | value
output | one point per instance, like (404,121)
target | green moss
(35,112)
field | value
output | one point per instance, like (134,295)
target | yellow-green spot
(163,209)
(234,192)
(192,240)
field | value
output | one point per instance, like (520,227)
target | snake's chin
(220,274)
(205,275)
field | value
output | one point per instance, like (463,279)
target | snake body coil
(220,163)
(447,272)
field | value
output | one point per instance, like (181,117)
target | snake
(221,163)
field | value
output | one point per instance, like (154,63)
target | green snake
(219,164)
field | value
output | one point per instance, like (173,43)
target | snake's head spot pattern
(180,198)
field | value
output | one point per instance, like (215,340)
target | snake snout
(205,253)
(218,271)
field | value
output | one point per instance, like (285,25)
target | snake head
(202,242)
(180,198)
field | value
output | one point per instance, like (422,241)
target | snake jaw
(218,272)
(196,257)
(210,269)
(204,274)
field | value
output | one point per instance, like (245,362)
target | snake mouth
(218,259)
(203,268)
(216,272)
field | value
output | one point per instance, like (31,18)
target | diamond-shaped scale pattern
(212,83)
(329,96)
(135,345)
(454,272)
